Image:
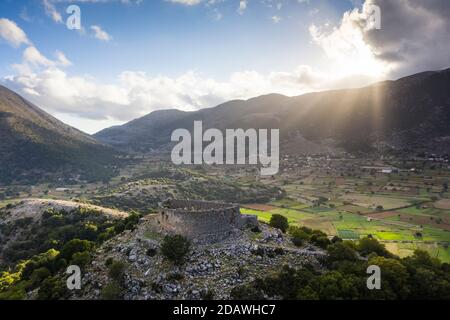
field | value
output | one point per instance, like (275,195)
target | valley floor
(403,203)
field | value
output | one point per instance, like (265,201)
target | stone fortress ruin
(202,219)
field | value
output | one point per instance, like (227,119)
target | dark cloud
(415,34)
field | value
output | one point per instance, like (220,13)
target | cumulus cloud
(242,7)
(409,28)
(33,59)
(45,82)
(133,94)
(186,2)
(62,59)
(276,19)
(346,48)
(100,34)
(51,11)
(356,52)
(32,56)
(12,33)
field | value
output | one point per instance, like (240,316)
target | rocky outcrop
(210,270)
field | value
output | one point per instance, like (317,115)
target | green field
(348,234)
(399,237)
(371,201)
(294,217)
(406,249)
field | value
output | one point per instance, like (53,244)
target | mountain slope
(409,114)
(33,143)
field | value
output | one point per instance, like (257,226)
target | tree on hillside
(175,248)
(368,245)
(280,222)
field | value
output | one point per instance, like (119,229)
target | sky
(132,57)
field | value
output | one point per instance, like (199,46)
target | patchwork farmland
(405,209)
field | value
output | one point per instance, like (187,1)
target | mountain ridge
(403,115)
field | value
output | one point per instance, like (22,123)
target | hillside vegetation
(34,146)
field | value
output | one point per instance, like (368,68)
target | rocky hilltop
(211,270)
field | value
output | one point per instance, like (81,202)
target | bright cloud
(12,33)
(51,11)
(355,56)
(276,19)
(186,2)
(409,28)
(62,59)
(242,6)
(135,94)
(346,47)
(33,59)
(100,34)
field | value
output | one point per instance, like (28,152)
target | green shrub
(38,276)
(74,246)
(109,261)
(175,248)
(298,236)
(15,292)
(306,230)
(320,241)
(112,291)
(298,242)
(52,288)
(279,251)
(129,223)
(117,271)
(50,260)
(280,222)
(151,252)
(340,252)
(81,259)
(175,276)
(368,245)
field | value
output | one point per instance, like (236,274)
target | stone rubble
(210,270)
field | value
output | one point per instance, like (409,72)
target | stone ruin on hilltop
(203,219)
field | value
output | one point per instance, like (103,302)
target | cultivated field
(404,210)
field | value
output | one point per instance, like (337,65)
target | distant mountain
(34,144)
(411,114)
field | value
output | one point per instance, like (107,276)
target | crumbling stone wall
(197,219)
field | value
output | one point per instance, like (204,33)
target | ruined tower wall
(194,219)
(193,224)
